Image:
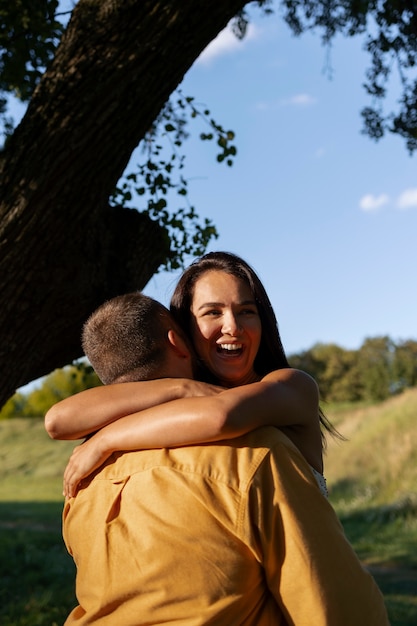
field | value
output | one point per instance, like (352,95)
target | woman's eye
(249,312)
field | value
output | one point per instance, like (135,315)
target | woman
(221,303)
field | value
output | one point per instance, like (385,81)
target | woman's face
(226,328)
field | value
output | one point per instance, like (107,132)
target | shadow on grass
(36,573)
(399,588)
(385,533)
(385,539)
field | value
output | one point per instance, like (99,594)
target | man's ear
(178,344)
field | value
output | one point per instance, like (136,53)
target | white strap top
(321,481)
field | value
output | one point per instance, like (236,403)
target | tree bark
(63,250)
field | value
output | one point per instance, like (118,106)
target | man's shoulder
(233,460)
(225,461)
(266,436)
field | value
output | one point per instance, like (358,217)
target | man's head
(133,337)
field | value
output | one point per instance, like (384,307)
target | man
(231,533)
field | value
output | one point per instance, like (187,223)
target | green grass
(386,540)
(372,479)
(36,573)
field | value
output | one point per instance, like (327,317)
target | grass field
(373,485)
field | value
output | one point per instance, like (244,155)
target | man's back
(209,535)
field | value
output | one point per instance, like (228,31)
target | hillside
(32,464)
(378,462)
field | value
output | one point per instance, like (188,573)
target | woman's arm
(285,398)
(84,413)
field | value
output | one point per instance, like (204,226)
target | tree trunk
(63,250)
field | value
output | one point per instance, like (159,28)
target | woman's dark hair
(271,355)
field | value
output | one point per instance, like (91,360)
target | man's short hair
(125,339)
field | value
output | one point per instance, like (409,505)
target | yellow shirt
(232,533)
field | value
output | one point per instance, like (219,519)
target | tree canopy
(390,31)
(70,234)
(64,246)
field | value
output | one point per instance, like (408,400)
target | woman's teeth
(230,347)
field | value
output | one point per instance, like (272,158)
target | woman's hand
(84,459)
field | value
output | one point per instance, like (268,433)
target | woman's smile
(232,348)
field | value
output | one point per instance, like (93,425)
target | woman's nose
(231,325)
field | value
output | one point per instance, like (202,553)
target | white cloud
(319,153)
(264,106)
(370,203)
(301,99)
(226,42)
(298,100)
(408,199)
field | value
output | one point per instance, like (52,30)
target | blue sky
(326,216)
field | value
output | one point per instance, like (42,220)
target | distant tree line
(378,370)
(58,385)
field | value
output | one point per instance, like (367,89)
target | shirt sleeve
(310,567)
